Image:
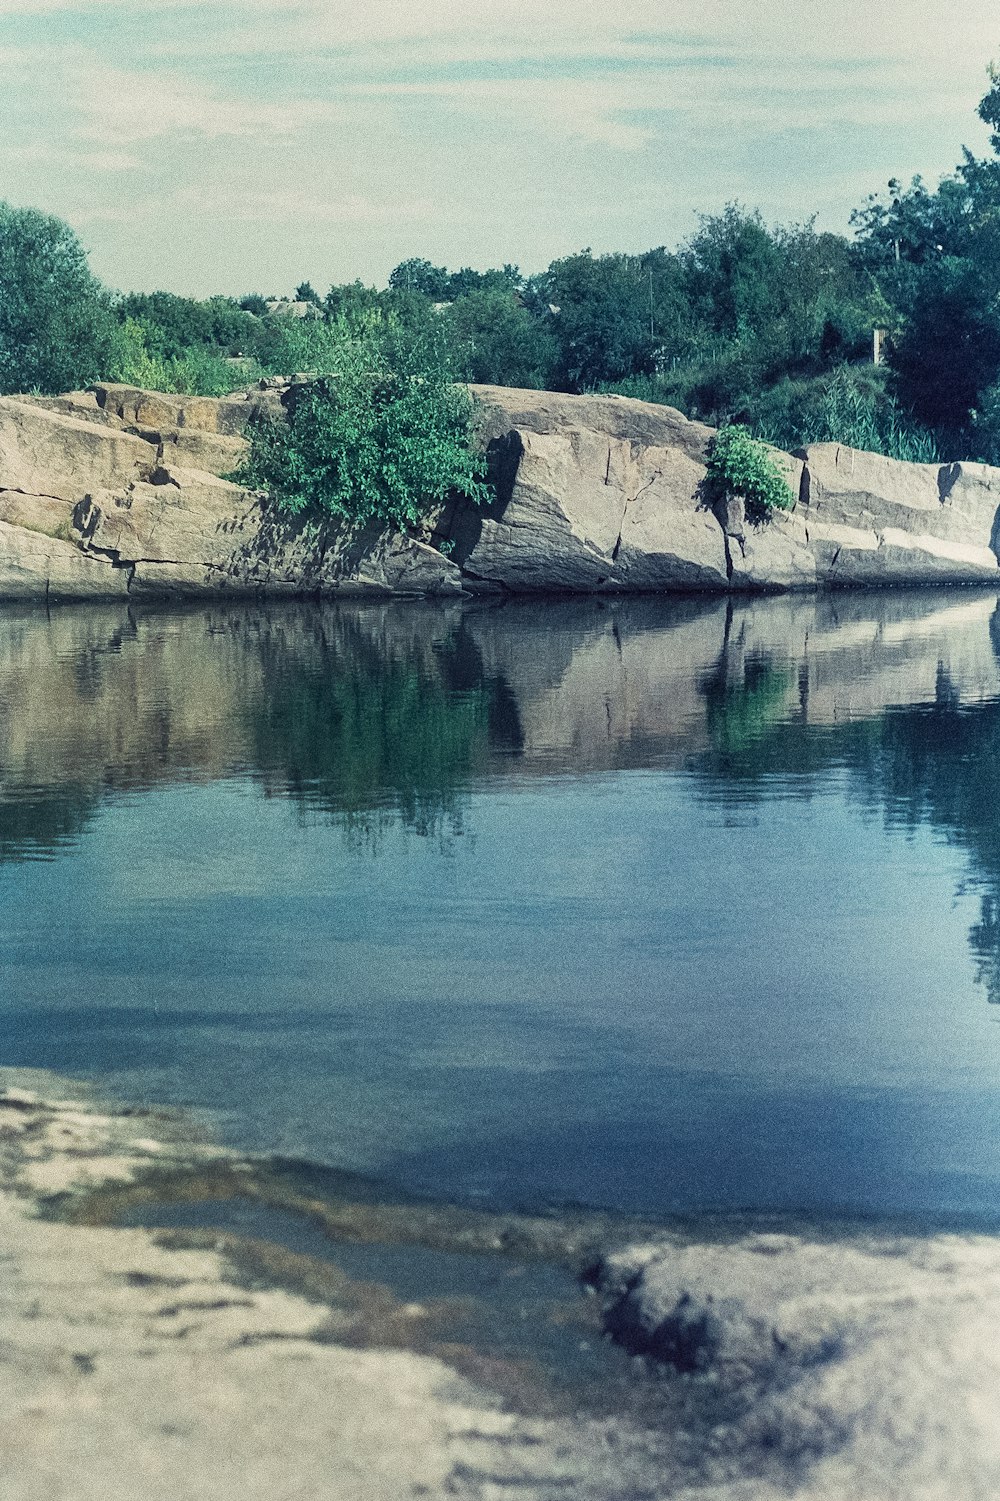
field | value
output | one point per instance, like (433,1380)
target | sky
(206,146)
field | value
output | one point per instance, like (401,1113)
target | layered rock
(875,520)
(606,493)
(593,493)
(121,491)
(118,490)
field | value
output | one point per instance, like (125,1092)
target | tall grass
(859,415)
(851,405)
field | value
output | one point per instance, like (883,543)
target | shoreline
(138,1364)
(175,1363)
(120,493)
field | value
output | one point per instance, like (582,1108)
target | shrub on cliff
(382,436)
(740,465)
(56,325)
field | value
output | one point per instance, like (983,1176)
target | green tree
(461,283)
(416,275)
(602,319)
(497,341)
(948,351)
(56,326)
(254,303)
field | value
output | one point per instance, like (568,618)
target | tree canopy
(770,326)
(56,326)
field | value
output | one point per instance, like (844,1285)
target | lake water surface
(639,904)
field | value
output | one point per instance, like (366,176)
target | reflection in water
(927,763)
(717,901)
(353,720)
(397,711)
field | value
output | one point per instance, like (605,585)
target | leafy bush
(382,436)
(195,372)
(740,465)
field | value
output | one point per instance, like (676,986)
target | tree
(254,303)
(381,438)
(416,275)
(56,326)
(936,256)
(171,324)
(602,320)
(733,272)
(948,351)
(466,280)
(306,292)
(497,342)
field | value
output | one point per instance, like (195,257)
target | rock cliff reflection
(731,880)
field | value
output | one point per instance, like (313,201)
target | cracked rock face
(604,493)
(117,490)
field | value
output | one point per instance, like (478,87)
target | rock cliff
(118,491)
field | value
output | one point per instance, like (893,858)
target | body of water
(651,905)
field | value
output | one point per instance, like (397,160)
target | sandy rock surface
(130,1371)
(862,1366)
(131,491)
(872,1364)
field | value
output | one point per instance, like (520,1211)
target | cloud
(265,208)
(142,106)
(477,130)
(51,155)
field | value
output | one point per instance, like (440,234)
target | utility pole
(652,335)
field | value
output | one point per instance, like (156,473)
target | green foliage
(850,406)
(739,464)
(195,372)
(416,275)
(603,323)
(948,350)
(56,327)
(381,436)
(497,341)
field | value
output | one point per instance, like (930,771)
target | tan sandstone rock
(594,493)
(36,567)
(47,453)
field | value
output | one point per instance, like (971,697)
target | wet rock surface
(867,1363)
(166,1366)
(176,1364)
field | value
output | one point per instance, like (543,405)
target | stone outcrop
(874,520)
(605,493)
(869,1362)
(117,490)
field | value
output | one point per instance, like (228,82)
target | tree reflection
(931,764)
(359,725)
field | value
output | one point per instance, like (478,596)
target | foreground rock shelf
(117,492)
(781,1363)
